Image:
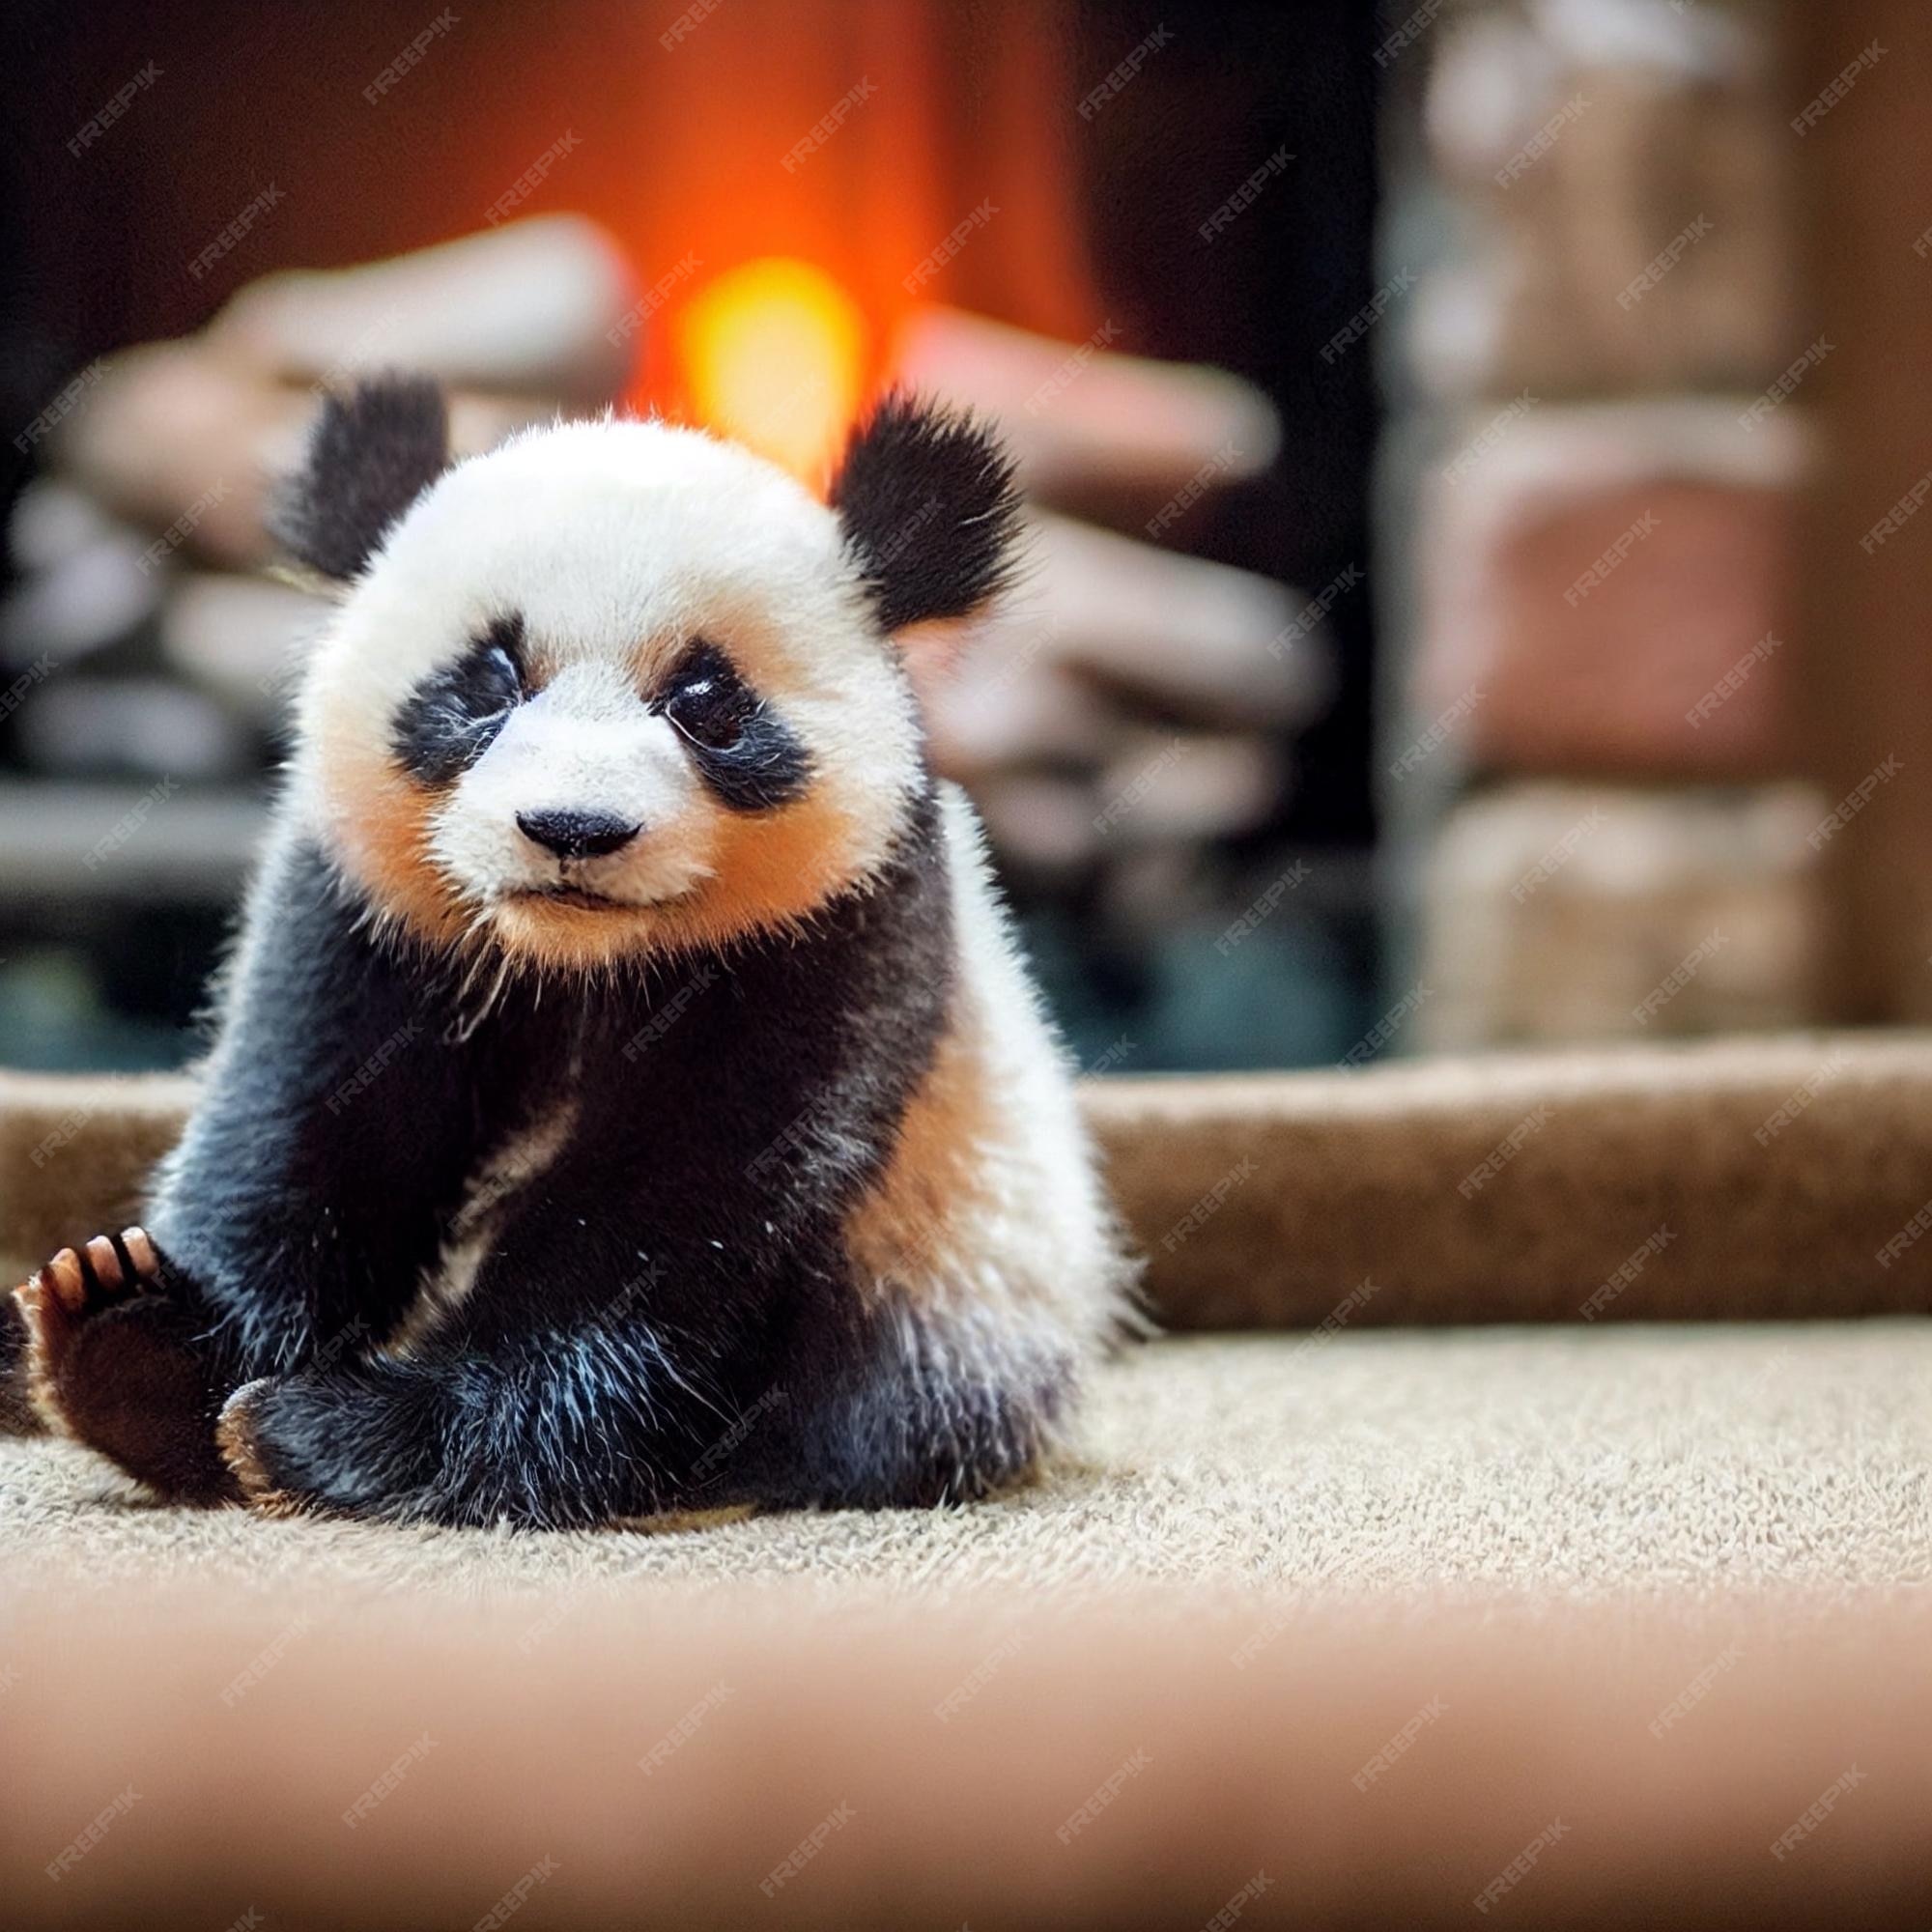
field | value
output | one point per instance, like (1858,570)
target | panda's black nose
(577,835)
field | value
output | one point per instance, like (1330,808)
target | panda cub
(627,1097)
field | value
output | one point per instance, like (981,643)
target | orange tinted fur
(901,1229)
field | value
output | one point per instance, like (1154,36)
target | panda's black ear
(930,509)
(374,451)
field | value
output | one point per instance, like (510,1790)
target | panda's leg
(555,1431)
(334,1127)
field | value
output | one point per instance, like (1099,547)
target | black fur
(450,719)
(372,454)
(743,749)
(930,511)
(665,1316)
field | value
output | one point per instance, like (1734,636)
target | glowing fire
(774,354)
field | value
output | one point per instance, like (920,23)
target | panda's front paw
(113,1359)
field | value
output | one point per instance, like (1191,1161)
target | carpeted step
(1785,1176)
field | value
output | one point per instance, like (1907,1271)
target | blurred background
(1474,445)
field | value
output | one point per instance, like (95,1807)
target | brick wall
(1596,474)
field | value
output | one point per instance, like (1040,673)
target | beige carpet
(1634,1614)
(1560,1464)
(1559,1629)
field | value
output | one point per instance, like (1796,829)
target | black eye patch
(450,717)
(743,749)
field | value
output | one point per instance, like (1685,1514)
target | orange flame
(774,354)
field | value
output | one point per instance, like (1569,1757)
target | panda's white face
(611,689)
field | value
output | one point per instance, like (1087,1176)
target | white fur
(521,1161)
(1023,1264)
(583,743)
(617,544)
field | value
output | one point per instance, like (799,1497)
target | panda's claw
(61,1285)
